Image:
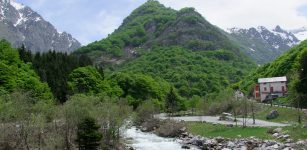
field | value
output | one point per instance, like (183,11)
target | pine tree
(24,54)
(88,136)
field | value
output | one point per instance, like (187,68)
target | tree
(302,80)
(85,80)
(194,102)
(24,54)
(88,136)
(172,102)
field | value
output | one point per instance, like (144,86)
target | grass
(286,115)
(296,132)
(210,130)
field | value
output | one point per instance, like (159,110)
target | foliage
(191,72)
(173,103)
(132,33)
(110,116)
(180,47)
(47,126)
(88,136)
(85,80)
(194,102)
(154,25)
(139,87)
(291,62)
(145,112)
(54,68)
(15,74)
(23,120)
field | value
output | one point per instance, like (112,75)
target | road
(215,119)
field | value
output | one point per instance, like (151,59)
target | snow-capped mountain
(300,33)
(263,44)
(19,24)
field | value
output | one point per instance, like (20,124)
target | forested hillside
(17,75)
(191,72)
(54,69)
(180,47)
(291,64)
(153,25)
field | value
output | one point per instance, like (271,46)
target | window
(264,88)
(271,89)
(283,88)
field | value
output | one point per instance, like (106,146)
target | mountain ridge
(180,47)
(19,24)
(262,44)
(153,25)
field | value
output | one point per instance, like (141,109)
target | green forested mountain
(153,25)
(178,46)
(291,64)
(17,75)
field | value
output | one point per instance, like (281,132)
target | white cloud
(246,13)
(93,20)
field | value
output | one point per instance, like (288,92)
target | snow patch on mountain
(17,6)
(252,49)
(264,44)
(276,37)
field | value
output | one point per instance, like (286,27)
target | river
(148,141)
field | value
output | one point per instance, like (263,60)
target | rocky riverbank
(176,129)
(251,143)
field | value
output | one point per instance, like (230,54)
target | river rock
(276,135)
(286,136)
(301,143)
(184,129)
(230,144)
(185,147)
(289,140)
(220,139)
(185,134)
(270,143)
(277,130)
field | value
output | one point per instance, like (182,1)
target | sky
(91,20)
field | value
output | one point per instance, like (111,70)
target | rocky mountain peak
(279,29)
(19,24)
(264,44)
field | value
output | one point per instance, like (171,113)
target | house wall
(265,89)
(257,92)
